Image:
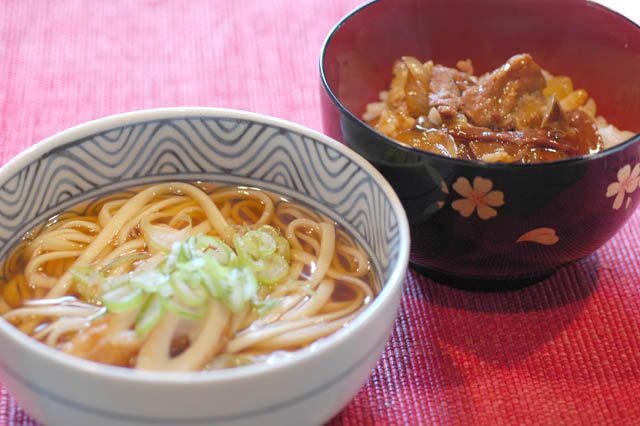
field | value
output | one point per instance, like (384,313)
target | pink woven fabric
(564,351)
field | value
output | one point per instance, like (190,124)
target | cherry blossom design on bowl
(545,236)
(478,197)
(628,181)
(440,201)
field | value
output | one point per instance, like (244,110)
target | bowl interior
(226,147)
(599,49)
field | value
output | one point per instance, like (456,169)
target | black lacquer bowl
(494,221)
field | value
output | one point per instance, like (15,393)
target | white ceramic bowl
(221,145)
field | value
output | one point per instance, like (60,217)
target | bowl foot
(479,284)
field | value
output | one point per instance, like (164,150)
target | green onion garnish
(191,272)
(123,298)
(150,314)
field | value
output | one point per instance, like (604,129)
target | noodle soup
(177,276)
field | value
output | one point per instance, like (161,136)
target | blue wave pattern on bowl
(224,150)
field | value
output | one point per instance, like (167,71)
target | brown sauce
(517,113)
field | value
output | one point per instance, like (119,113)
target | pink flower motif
(628,181)
(479,196)
(443,187)
(546,236)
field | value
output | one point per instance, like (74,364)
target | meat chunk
(446,87)
(588,138)
(546,138)
(492,101)
(516,113)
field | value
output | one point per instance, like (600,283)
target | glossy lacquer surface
(479,220)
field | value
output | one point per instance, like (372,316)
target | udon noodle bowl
(179,276)
(518,113)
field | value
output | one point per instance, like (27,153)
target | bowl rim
(460,161)
(393,284)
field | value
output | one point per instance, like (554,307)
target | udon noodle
(177,276)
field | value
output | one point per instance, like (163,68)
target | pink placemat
(564,351)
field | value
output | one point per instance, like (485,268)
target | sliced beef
(446,87)
(491,102)
(554,139)
(502,116)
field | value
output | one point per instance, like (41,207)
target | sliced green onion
(283,248)
(282,245)
(123,298)
(166,291)
(187,287)
(203,266)
(112,283)
(275,268)
(259,243)
(213,276)
(269,230)
(150,280)
(215,247)
(266,252)
(192,265)
(202,241)
(150,314)
(240,287)
(88,283)
(253,246)
(245,256)
(175,305)
(179,253)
